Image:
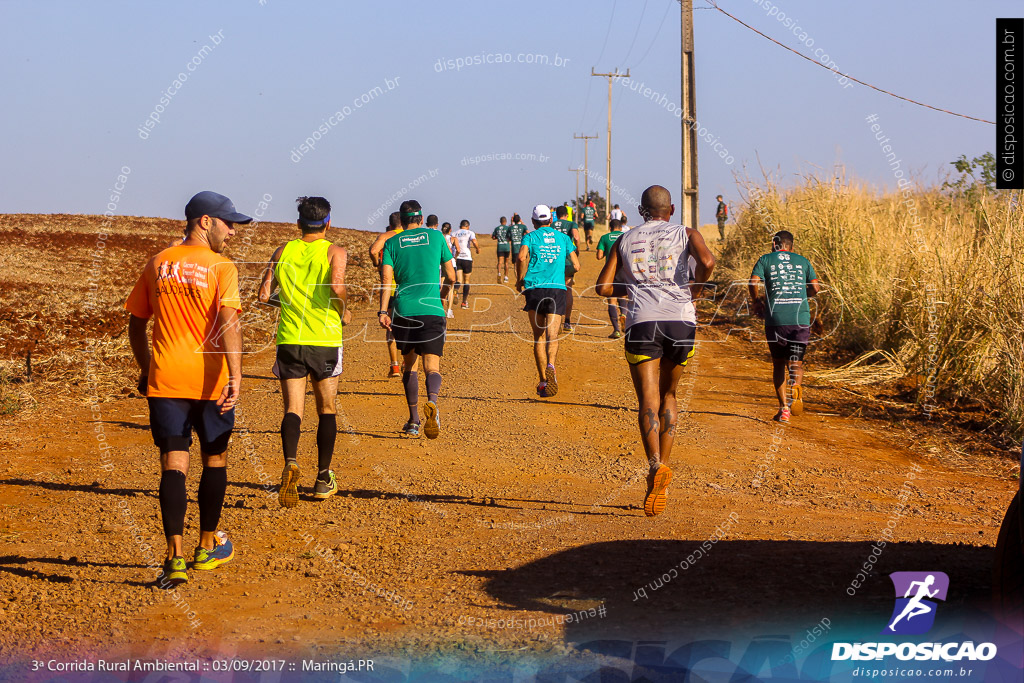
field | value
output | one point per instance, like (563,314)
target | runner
(193,376)
(660,322)
(721,215)
(464,239)
(569,212)
(788,279)
(502,235)
(516,232)
(589,214)
(616,213)
(616,306)
(446,230)
(567,228)
(410,261)
(544,258)
(309,273)
(432,221)
(394,227)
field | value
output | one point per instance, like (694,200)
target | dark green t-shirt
(608,240)
(415,255)
(515,234)
(588,213)
(785,277)
(501,233)
(564,226)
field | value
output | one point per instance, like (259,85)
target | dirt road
(524,509)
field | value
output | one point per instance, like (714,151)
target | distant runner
(503,237)
(721,215)
(516,232)
(589,215)
(193,376)
(411,261)
(616,306)
(465,239)
(394,227)
(650,264)
(569,229)
(309,273)
(788,279)
(449,300)
(616,213)
(543,261)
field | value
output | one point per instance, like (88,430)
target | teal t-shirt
(785,277)
(549,253)
(501,233)
(515,234)
(588,213)
(415,256)
(608,241)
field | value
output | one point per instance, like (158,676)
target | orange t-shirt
(184,288)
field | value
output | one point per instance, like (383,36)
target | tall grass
(934,279)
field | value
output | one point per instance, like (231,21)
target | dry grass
(933,283)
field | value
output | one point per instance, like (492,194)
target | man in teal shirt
(789,279)
(544,258)
(411,260)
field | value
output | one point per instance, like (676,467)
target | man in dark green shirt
(616,305)
(516,231)
(411,260)
(503,237)
(788,279)
(569,229)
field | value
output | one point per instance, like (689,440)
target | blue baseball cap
(208,203)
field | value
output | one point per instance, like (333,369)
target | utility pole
(608,162)
(576,199)
(691,213)
(586,165)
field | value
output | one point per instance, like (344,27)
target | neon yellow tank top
(303,274)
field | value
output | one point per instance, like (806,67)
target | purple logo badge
(916,593)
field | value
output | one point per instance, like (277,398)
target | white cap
(541,213)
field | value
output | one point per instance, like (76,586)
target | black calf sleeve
(291,427)
(326,434)
(212,485)
(172,502)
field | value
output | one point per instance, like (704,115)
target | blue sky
(82,78)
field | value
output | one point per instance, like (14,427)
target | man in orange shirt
(193,375)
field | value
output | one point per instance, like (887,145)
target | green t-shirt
(785,277)
(515,234)
(608,241)
(549,253)
(564,226)
(415,255)
(501,233)
(588,213)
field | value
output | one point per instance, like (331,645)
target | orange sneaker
(657,491)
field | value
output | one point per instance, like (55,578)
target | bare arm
(378,247)
(754,290)
(449,278)
(813,287)
(574,257)
(139,340)
(269,282)
(705,260)
(475,245)
(606,285)
(387,276)
(230,334)
(521,263)
(338,257)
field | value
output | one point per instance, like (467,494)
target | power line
(657,33)
(635,34)
(799,54)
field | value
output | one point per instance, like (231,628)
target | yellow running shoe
(797,406)
(657,493)
(288,494)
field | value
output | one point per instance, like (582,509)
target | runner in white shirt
(465,239)
(616,213)
(651,263)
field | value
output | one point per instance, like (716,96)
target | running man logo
(916,592)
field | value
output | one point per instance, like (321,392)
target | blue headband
(315,224)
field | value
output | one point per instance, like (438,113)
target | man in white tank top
(652,265)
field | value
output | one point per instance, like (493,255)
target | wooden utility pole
(576,199)
(608,162)
(691,214)
(586,164)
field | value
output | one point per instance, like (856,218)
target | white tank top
(654,262)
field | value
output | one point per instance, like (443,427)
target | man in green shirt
(310,275)
(569,229)
(617,305)
(544,258)
(411,261)
(516,231)
(589,214)
(501,234)
(788,280)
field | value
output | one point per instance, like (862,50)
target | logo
(916,592)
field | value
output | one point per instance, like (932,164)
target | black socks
(212,485)
(412,394)
(326,434)
(433,386)
(291,426)
(172,502)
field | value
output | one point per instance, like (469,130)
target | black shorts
(671,340)
(424,334)
(588,225)
(171,420)
(464,264)
(295,361)
(504,250)
(545,300)
(787,342)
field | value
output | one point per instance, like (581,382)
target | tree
(969,185)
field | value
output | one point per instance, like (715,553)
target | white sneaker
(450,314)
(506,278)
